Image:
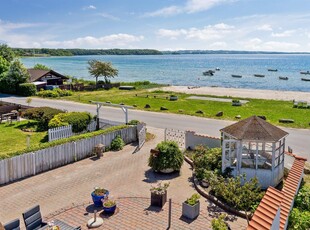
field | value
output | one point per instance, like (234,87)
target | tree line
(75,52)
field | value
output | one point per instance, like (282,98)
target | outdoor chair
(12,225)
(33,218)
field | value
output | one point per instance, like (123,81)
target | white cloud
(218,45)
(258,44)
(109,41)
(191,6)
(207,33)
(90,7)
(109,16)
(167,11)
(283,34)
(265,27)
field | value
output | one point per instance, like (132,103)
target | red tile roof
(274,199)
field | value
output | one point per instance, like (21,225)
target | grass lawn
(13,139)
(272,109)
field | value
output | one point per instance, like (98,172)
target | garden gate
(175,135)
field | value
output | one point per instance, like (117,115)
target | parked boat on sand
(259,75)
(283,78)
(236,76)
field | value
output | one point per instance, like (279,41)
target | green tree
(6,52)
(4,65)
(105,69)
(16,75)
(41,66)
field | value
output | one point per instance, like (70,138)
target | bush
(48,93)
(219,223)
(41,114)
(209,159)
(27,89)
(302,200)
(170,156)
(57,92)
(78,120)
(117,143)
(133,122)
(299,219)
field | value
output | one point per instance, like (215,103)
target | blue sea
(187,69)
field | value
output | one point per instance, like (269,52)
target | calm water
(187,69)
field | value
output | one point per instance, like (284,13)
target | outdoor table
(62,226)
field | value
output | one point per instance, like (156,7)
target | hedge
(41,114)
(26,89)
(65,140)
(54,93)
(78,120)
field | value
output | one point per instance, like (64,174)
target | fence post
(169,215)
(165,134)
(34,163)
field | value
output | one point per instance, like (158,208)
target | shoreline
(242,93)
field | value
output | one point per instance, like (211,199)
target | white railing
(66,131)
(60,133)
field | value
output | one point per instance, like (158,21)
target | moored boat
(208,73)
(305,72)
(283,78)
(273,70)
(305,79)
(217,69)
(259,75)
(236,76)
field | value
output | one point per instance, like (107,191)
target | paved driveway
(124,173)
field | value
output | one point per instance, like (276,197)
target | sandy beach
(242,93)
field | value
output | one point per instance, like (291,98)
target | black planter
(158,200)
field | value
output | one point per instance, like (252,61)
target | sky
(253,25)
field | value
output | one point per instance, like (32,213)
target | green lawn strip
(39,145)
(272,109)
(13,139)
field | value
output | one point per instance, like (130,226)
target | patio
(131,213)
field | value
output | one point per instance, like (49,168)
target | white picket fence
(66,131)
(32,163)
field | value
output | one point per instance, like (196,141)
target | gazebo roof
(254,128)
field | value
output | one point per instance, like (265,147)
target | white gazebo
(256,148)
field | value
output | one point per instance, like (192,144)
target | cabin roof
(36,74)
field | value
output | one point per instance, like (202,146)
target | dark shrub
(27,89)
(78,120)
(117,143)
(133,122)
(170,156)
(41,114)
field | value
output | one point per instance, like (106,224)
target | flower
(160,189)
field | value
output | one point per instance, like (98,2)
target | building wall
(192,140)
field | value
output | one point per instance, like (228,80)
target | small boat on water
(208,72)
(305,79)
(273,70)
(259,75)
(283,78)
(305,72)
(236,76)
(217,69)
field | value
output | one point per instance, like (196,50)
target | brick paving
(125,173)
(134,213)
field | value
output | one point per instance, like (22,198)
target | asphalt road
(298,139)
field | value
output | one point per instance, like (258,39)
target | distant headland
(39,52)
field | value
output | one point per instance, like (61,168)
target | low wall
(192,140)
(32,163)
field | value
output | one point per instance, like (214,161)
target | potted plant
(98,194)
(109,206)
(159,194)
(166,158)
(191,207)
